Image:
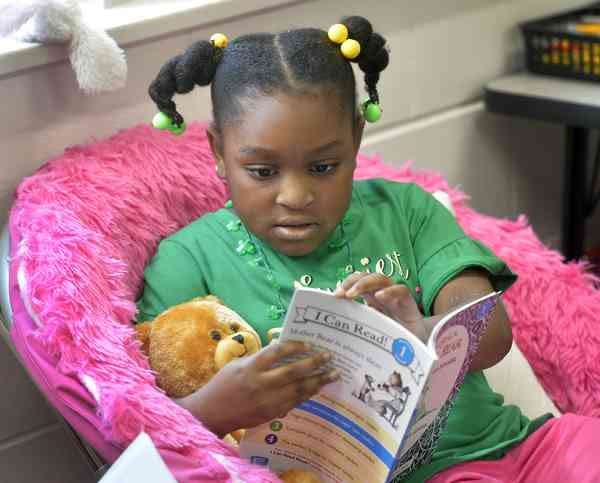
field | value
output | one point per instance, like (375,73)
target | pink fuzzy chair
(83,227)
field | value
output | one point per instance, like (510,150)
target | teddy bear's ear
(143,334)
(208,298)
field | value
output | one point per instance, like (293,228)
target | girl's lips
(296,232)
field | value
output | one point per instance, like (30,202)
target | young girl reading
(285,136)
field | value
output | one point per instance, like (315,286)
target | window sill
(135,21)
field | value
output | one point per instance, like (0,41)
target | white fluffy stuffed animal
(98,61)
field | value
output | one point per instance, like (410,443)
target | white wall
(442,55)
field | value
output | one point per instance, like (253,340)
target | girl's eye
(262,172)
(323,168)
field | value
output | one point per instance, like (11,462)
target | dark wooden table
(575,105)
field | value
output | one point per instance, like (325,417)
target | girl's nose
(295,193)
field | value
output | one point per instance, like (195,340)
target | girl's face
(289,164)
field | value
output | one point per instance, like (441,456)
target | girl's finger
(375,304)
(350,280)
(368,284)
(295,371)
(291,395)
(273,354)
(398,302)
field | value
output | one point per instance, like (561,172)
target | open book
(383,417)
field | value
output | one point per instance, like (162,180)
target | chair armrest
(5,309)
(514,379)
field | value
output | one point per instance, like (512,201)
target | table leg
(575,189)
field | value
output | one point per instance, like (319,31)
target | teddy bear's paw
(296,475)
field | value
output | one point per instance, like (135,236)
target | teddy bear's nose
(238,338)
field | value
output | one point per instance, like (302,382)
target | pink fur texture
(90,219)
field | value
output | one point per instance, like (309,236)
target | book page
(455,340)
(351,431)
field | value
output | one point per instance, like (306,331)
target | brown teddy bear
(190,342)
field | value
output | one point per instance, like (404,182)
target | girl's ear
(216,146)
(359,126)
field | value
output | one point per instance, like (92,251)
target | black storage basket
(565,45)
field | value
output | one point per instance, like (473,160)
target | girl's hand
(250,391)
(393,300)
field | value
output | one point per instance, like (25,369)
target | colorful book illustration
(382,419)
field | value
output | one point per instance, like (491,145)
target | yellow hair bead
(219,40)
(350,49)
(338,33)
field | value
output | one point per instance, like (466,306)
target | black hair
(295,62)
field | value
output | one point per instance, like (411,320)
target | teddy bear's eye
(235,326)
(215,335)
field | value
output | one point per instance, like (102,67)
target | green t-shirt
(393,228)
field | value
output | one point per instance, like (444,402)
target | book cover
(384,415)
